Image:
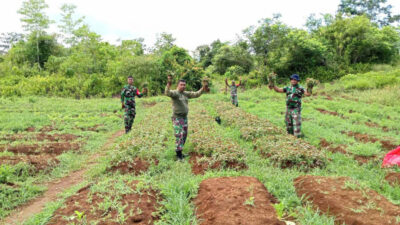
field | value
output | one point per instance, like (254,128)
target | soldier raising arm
(180,110)
(294,93)
(128,102)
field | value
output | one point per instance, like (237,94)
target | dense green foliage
(76,61)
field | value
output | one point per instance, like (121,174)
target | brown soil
(139,208)
(40,162)
(372,124)
(199,168)
(386,144)
(393,178)
(223,201)
(350,206)
(328,97)
(47,128)
(40,137)
(56,187)
(364,159)
(30,129)
(55,148)
(325,144)
(136,167)
(323,111)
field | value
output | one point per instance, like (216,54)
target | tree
(205,53)
(7,40)
(268,36)
(228,56)
(313,22)
(68,25)
(132,47)
(163,43)
(34,20)
(357,40)
(376,10)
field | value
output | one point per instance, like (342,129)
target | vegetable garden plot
(393,178)
(235,200)
(211,149)
(146,140)
(347,200)
(116,202)
(251,127)
(272,142)
(386,144)
(37,149)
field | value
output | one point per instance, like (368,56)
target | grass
(257,122)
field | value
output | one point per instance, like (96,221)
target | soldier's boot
(127,130)
(179,155)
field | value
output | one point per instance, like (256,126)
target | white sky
(191,22)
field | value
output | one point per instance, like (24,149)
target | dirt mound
(386,144)
(362,159)
(347,200)
(30,129)
(136,167)
(55,148)
(200,166)
(140,208)
(393,178)
(40,162)
(325,144)
(235,200)
(323,111)
(40,137)
(47,128)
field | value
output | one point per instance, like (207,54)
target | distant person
(234,88)
(294,93)
(180,109)
(128,94)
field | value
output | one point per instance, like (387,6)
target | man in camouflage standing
(128,94)
(294,93)
(234,88)
(180,110)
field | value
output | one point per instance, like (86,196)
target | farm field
(245,170)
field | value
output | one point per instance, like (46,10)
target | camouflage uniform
(128,94)
(180,131)
(180,110)
(293,109)
(234,98)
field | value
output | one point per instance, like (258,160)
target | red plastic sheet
(392,158)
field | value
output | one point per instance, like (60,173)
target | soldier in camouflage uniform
(180,110)
(294,93)
(233,87)
(128,94)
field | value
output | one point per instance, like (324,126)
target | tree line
(76,62)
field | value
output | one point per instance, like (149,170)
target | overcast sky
(191,22)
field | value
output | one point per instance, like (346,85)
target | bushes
(368,80)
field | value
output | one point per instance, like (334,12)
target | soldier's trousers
(234,100)
(129,117)
(293,121)
(180,131)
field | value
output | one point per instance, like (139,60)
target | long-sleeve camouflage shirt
(293,95)
(128,94)
(180,107)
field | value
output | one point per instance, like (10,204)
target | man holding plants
(234,88)
(180,109)
(128,94)
(294,93)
